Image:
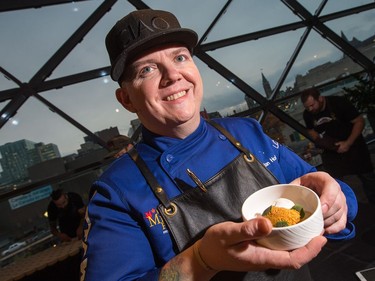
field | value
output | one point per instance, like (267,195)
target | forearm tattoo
(172,271)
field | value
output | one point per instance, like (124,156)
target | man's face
(62,202)
(312,105)
(164,88)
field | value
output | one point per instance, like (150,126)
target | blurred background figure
(119,145)
(336,126)
(66,212)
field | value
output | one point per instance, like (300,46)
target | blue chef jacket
(125,237)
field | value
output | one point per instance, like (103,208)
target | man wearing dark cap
(170,208)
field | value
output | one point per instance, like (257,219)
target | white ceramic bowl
(287,237)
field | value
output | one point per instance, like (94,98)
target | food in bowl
(283,212)
(286,195)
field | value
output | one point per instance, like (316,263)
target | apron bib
(219,199)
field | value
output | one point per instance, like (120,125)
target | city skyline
(19,156)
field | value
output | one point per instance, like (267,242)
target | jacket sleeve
(351,202)
(115,247)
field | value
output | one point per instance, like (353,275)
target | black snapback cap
(141,30)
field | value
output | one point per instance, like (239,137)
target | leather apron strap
(151,180)
(230,137)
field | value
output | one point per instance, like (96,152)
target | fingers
(336,221)
(334,210)
(305,254)
(332,199)
(297,258)
(232,246)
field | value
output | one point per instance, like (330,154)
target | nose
(170,74)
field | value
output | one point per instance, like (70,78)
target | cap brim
(184,36)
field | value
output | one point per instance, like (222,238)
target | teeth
(176,96)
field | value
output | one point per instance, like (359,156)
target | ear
(123,98)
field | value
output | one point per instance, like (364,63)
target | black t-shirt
(334,123)
(68,219)
(334,120)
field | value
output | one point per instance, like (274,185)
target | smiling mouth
(176,96)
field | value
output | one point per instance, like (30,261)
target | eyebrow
(135,65)
(180,50)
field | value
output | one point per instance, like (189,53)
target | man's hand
(342,146)
(232,246)
(332,199)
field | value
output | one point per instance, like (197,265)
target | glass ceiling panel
(93,104)
(91,52)
(318,62)
(194,14)
(6,83)
(309,5)
(30,37)
(219,94)
(357,29)
(35,122)
(251,59)
(246,16)
(334,6)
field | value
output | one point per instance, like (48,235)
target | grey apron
(219,199)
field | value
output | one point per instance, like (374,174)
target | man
(66,210)
(336,126)
(169,209)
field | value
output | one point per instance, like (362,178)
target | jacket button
(222,137)
(169,158)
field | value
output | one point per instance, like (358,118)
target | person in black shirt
(336,126)
(66,210)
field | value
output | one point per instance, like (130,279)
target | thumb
(256,228)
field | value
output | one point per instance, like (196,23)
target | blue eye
(180,58)
(147,69)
